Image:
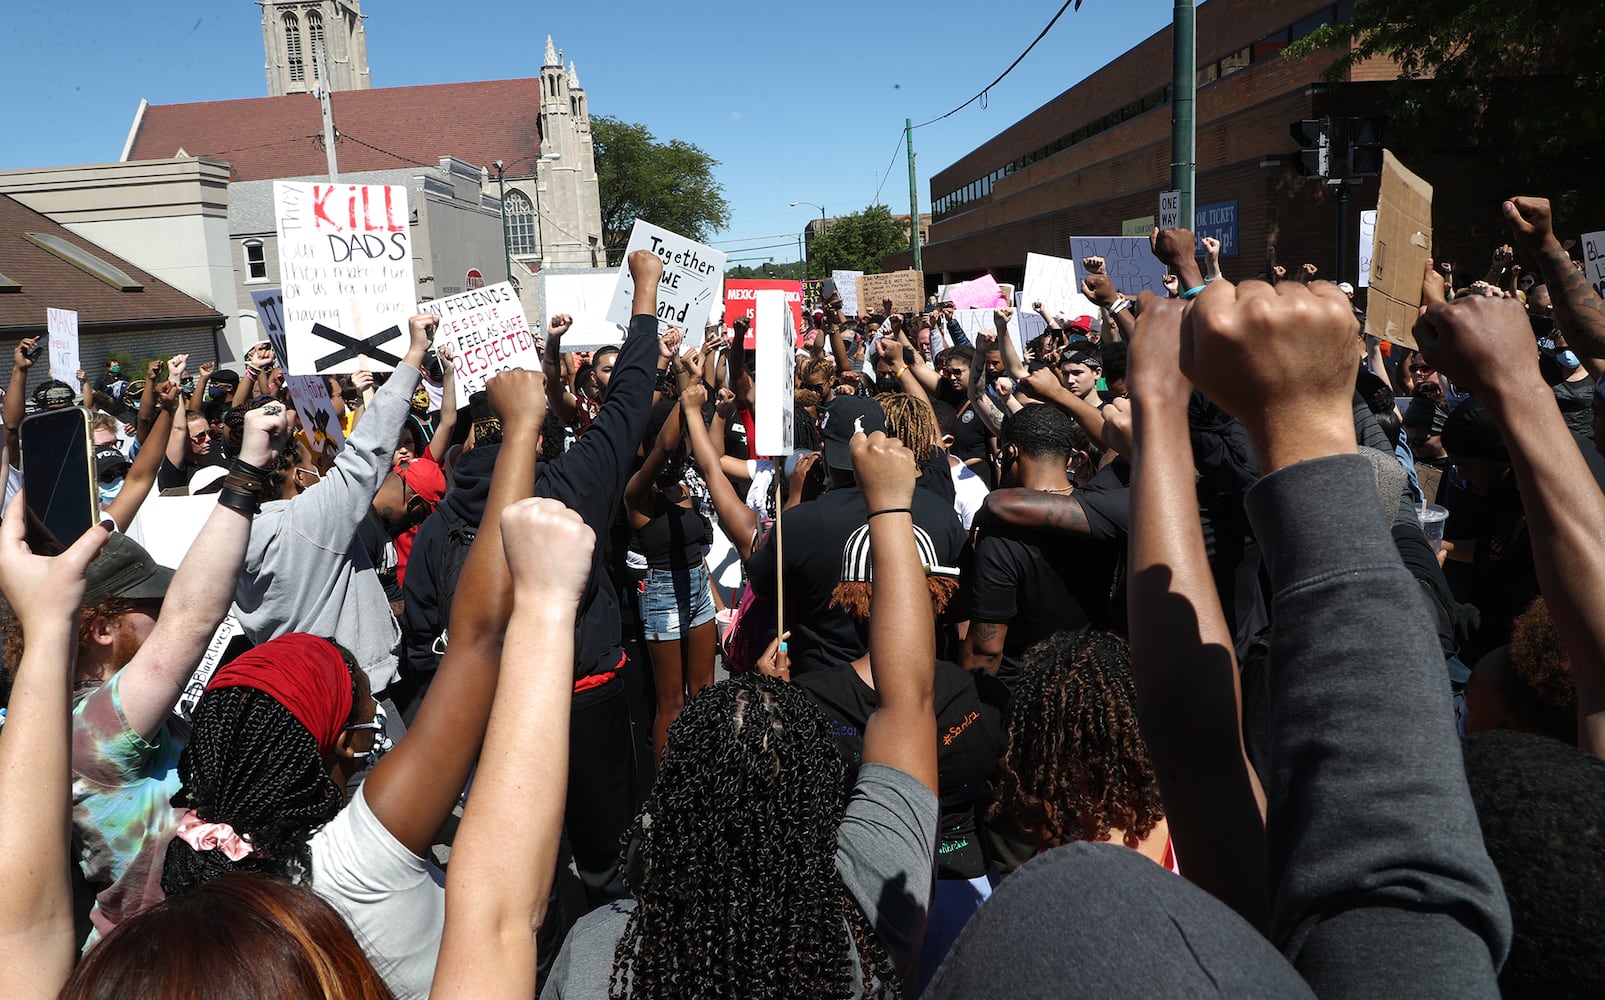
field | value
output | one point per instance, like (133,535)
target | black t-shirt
(971,442)
(969,737)
(1576,402)
(674,538)
(815,534)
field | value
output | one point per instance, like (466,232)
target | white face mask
(109,491)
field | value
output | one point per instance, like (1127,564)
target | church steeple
(312,43)
(551,55)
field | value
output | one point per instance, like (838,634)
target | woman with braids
(1075,766)
(759,875)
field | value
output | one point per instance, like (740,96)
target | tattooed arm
(1579,311)
(983,646)
(1035,510)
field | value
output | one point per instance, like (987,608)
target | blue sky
(797,102)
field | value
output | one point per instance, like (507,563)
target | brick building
(1093,161)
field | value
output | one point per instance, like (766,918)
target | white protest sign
(585,297)
(774,383)
(692,277)
(1368,235)
(1170,210)
(487,333)
(308,393)
(977,321)
(1128,260)
(345,257)
(1052,282)
(847,285)
(210,661)
(1594,261)
(62,325)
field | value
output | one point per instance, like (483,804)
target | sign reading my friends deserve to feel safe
(689,289)
(487,332)
(345,260)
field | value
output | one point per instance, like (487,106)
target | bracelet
(233,499)
(891,510)
(1189,293)
(245,478)
(1119,307)
(900,372)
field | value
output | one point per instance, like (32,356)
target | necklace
(1062,489)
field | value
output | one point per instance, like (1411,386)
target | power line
(744,239)
(888,171)
(982,94)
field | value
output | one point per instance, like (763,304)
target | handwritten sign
(981,293)
(487,333)
(774,373)
(1368,235)
(1128,260)
(906,289)
(585,296)
(741,298)
(309,394)
(345,256)
(847,285)
(62,326)
(978,321)
(689,287)
(1052,282)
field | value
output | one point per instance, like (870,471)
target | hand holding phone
(58,477)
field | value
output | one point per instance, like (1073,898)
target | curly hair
(911,421)
(12,640)
(738,892)
(251,764)
(1541,660)
(1075,766)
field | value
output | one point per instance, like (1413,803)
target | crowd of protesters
(1113,664)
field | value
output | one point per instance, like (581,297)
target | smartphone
(38,349)
(58,475)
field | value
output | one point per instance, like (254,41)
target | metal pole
(1184,84)
(319,65)
(507,250)
(821,235)
(913,196)
(1343,232)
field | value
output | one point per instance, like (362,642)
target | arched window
(292,47)
(315,38)
(255,260)
(520,223)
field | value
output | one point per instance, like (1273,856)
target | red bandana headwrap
(303,673)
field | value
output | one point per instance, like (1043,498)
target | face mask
(109,491)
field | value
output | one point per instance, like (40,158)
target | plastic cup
(1432,519)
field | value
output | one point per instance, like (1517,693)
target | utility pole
(913,196)
(1184,86)
(318,66)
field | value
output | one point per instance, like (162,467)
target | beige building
(312,43)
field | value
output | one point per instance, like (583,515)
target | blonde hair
(911,421)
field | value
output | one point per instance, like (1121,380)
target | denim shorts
(675,601)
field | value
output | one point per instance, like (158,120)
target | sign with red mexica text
(345,260)
(741,298)
(487,333)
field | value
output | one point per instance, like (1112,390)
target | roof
(49,282)
(264,138)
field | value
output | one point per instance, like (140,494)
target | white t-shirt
(969,491)
(393,900)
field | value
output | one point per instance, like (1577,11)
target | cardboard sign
(741,297)
(774,381)
(585,296)
(847,285)
(309,394)
(1399,255)
(1368,235)
(981,293)
(1128,260)
(906,289)
(345,257)
(487,333)
(62,325)
(1052,282)
(1170,210)
(689,288)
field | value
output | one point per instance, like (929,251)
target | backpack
(459,539)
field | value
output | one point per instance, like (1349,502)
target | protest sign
(1141,226)
(1594,261)
(906,289)
(774,374)
(585,295)
(689,287)
(1400,249)
(1128,260)
(487,333)
(980,293)
(813,293)
(740,299)
(222,637)
(308,393)
(1368,235)
(977,321)
(345,257)
(1052,282)
(1217,219)
(62,325)
(1170,210)
(847,285)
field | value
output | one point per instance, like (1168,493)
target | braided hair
(251,764)
(738,892)
(1075,766)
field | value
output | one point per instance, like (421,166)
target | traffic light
(1314,137)
(1365,146)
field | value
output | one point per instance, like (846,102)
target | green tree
(668,184)
(1518,80)
(787,271)
(857,242)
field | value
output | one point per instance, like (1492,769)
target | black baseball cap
(844,417)
(109,459)
(124,569)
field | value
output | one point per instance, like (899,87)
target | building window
(255,261)
(520,223)
(315,38)
(292,47)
